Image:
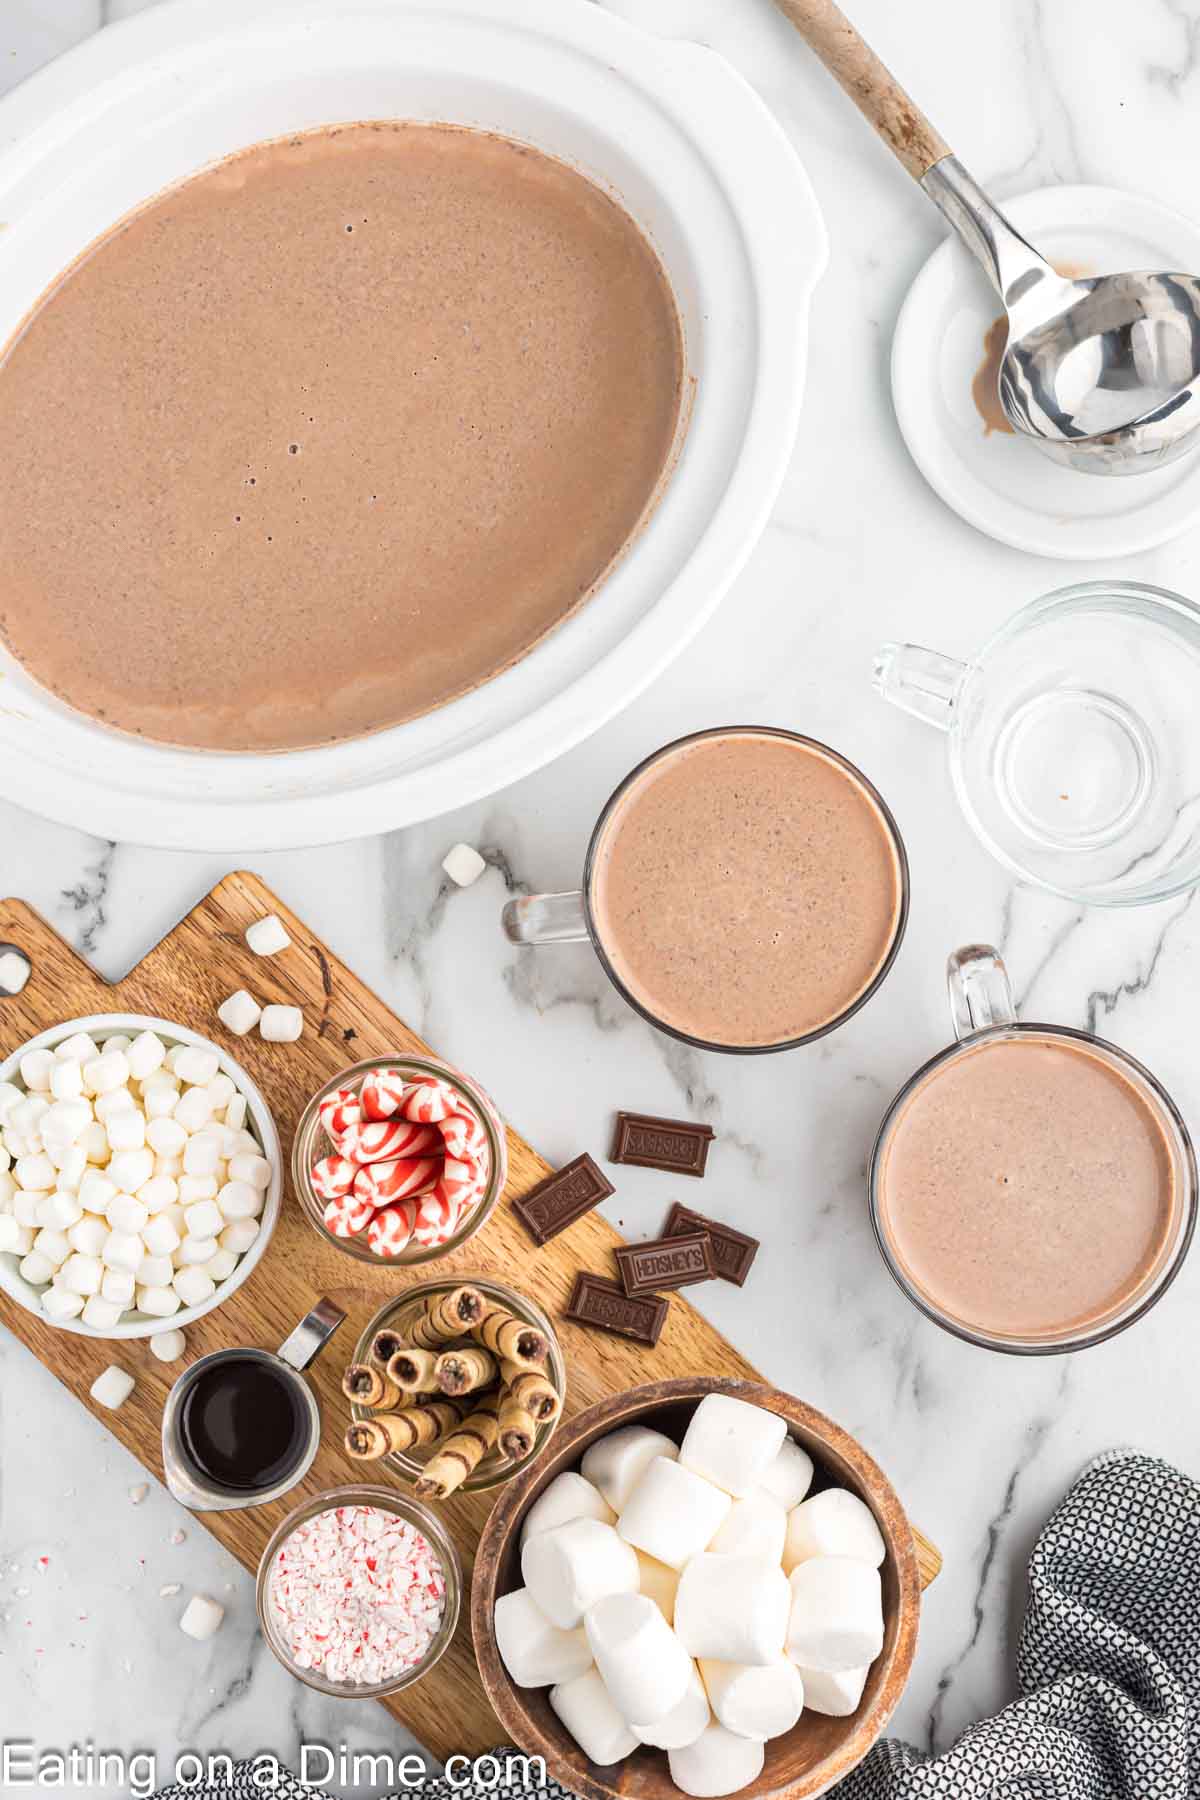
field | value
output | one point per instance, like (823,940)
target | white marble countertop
(858,549)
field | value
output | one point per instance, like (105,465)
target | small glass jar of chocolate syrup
(242,1426)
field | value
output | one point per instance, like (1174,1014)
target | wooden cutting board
(185,978)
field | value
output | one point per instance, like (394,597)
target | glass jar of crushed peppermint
(359,1592)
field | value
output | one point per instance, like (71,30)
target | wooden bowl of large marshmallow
(704,1587)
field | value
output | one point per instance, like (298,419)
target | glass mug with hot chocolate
(745,888)
(1033,1188)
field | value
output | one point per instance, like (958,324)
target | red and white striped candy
(458,1180)
(347,1216)
(429,1102)
(381,1093)
(338,1112)
(391,1228)
(383,1182)
(332,1177)
(437,1219)
(381,1140)
(464,1137)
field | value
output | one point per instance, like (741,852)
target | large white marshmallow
(673,1513)
(616,1463)
(567,1497)
(641,1661)
(718,1762)
(834,1692)
(733,1609)
(760,1701)
(732,1443)
(833,1523)
(683,1724)
(591,1718)
(568,1569)
(660,1583)
(755,1526)
(789,1477)
(836,1620)
(535,1652)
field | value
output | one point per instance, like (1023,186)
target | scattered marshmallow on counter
(14,971)
(266,937)
(128,1180)
(748,1602)
(281,1024)
(201,1617)
(112,1388)
(463,865)
(168,1346)
(240,1013)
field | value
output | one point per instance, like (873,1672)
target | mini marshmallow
(220,1266)
(95,1191)
(126,1214)
(35,1172)
(196,1187)
(118,1041)
(193,1286)
(192,1110)
(683,1724)
(158,1193)
(120,1100)
(118,1285)
(789,1477)
(122,1250)
(27,1206)
(112,1388)
(239,1236)
(641,1662)
(166,1137)
(59,1211)
(567,1497)
(267,937)
(168,1346)
(201,1617)
(568,1569)
(159,1098)
(836,1694)
(72,1167)
(672,1513)
(101,1314)
(10,1096)
(251,1168)
(718,1762)
(160,1236)
(220,1091)
(201,1155)
(35,1268)
(731,1443)
(82,1274)
(238,1200)
(93,1141)
(54,1245)
(59,1303)
(235,1112)
(159,1302)
(833,1523)
(733,1609)
(535,1652)
(836,1620)
(196,1067)
(204,1220)
(281,1024)
(463,865)
(661,1585)
(616,1463)
(66,1081)
(79,1048)
(756,1702)
(584,1708)
(129,1169)
(87,1235)
(15,970)
(15,1238)
(196,1251)
(154,1271)
(225,1140)
(755,1526)
(105,1072)
(27,1116)
(239,1013)
(35,1067)
(146,1054)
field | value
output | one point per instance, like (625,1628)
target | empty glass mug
(745,889)
(1074,739)
(1032,1188)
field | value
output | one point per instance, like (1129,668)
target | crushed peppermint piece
(178,1537)
(138,1494)
(357,1594)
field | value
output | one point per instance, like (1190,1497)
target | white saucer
(1000,484)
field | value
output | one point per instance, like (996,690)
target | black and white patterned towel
(1108,1667)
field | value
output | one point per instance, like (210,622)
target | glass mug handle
(980,992)
(545,919)
(919,681)
(311,1335)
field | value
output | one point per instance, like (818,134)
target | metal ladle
(1101,374)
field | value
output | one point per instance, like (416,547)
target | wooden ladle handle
(869,83)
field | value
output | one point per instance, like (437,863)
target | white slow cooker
(666,126)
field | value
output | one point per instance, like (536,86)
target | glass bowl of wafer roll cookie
(455,1385)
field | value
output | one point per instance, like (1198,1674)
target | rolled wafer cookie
(372,1386)
(518,1427)
(410,1429)
(462,1452)
(511,1339)
(415,1370)
(534,1388)
(447,1318)
(465,1371)
(385,1345)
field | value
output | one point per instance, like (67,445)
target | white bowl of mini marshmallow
(140,1176)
